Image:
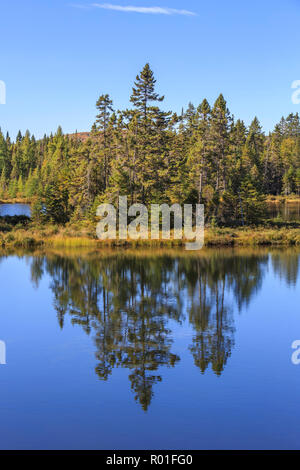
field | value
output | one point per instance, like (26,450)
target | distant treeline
(203,155)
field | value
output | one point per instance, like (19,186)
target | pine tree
(143,92)
(297,181)
(2,183)
(199,152)
(151,147)
(102,129)
(252,154)
(272,165)
(56,203)
(20,186)
(219,141)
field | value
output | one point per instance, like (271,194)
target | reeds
(70,236)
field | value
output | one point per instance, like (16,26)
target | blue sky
(57,57)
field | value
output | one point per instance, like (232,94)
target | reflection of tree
(209,277)
(135,335)
(286,266)
(214,343)
(126,302)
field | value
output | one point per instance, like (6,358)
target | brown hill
(83,136)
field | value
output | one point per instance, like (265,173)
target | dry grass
(73,237)
(16,200)
(252,236)
(292,199)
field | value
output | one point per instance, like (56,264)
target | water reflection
(213,282)
(286,266)
(129,305)
(286,211)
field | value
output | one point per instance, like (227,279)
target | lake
(150,349)
(287,212)
(15,209)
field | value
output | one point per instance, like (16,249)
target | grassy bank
(20,232)
(16,200)
(293,199)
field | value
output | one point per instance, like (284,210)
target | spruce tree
(101,128)
(219,141)
(150,155)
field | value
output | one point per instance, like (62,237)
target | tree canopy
(152,155)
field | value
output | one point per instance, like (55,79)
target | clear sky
(57,57)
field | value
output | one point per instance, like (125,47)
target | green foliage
(56,203)
(254,208)
(155,156)
(38,210)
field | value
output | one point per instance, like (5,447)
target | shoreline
(283,199)
(270,199)
(16,233)
(71,237)
(16,200)
(293,198)
(146,252)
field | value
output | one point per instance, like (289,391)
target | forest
(202,155)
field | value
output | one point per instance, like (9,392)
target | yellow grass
(16,200)
(70,237)
(292,199)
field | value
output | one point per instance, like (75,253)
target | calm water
(287,212)
(14,209)
(150,350)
